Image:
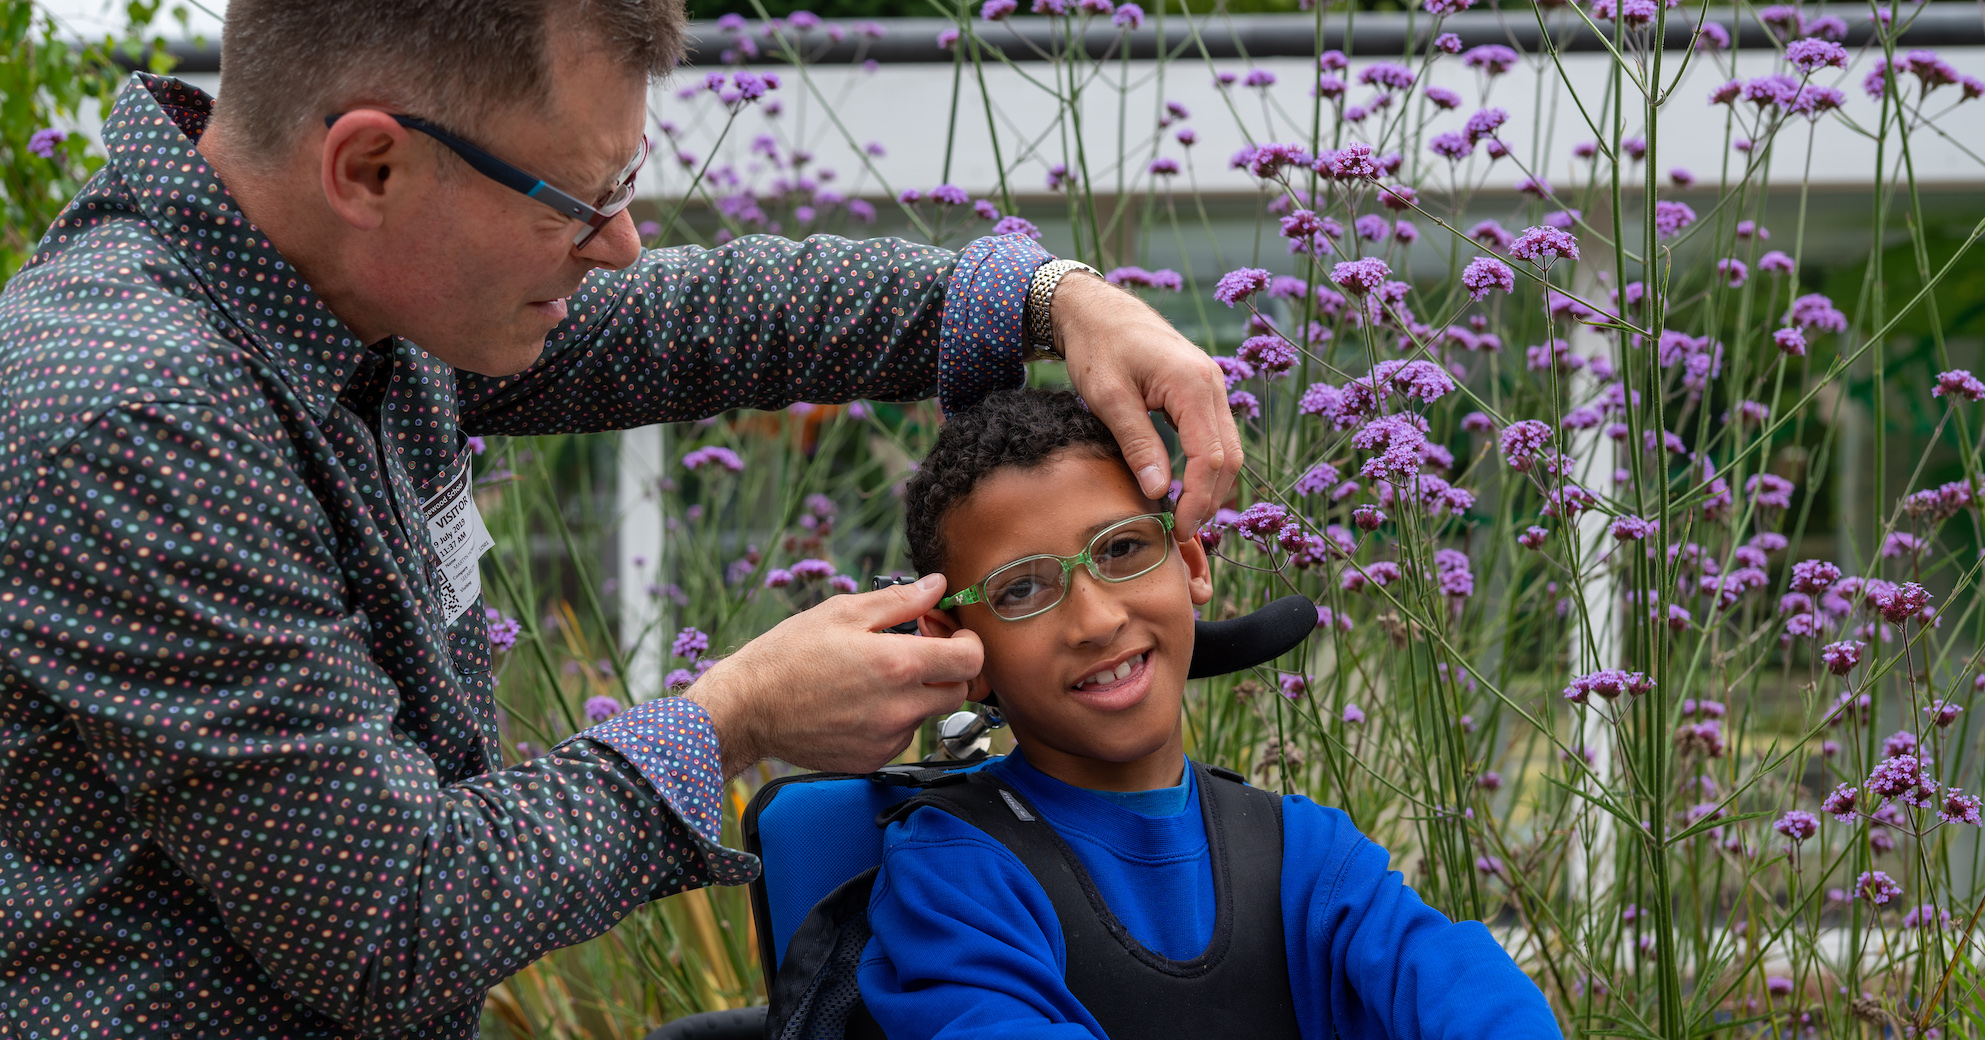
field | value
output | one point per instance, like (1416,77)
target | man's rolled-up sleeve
(764,322)
(170,587)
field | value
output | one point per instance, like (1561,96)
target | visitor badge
(455,529)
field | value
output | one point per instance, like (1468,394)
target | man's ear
(1198,569)
(941,624)
(366,165)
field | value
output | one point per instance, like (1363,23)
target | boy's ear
(1198,569)
(940,624)
(937,624)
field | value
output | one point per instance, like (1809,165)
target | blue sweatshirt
(967,945)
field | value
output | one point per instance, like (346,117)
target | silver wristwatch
(1040,329)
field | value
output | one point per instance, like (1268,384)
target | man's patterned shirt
(249,781)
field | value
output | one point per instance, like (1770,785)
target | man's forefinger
(954,659)
(1212,460)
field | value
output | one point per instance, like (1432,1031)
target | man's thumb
(899,603)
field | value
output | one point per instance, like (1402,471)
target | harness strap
(1238,986)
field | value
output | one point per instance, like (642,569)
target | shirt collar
(150,137)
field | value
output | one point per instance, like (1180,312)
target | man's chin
(493,361)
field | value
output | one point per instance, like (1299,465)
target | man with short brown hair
(250,783)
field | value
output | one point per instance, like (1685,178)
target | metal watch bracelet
(1040,329)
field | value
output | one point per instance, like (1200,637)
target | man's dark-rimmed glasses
(594,217)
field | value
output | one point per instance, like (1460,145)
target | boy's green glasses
(1036,584)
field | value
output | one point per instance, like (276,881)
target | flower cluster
(1609,683)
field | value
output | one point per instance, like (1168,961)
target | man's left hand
(1127,361)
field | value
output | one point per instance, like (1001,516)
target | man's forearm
(760,322)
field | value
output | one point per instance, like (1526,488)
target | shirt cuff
(671,744)
(984,333)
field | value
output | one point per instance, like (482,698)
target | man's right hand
(828,689)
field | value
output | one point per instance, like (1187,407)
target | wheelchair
(818,838)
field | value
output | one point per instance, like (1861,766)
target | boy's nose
(1095,616)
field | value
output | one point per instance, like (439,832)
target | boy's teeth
(1112,675)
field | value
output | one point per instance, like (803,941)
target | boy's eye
(1024,588)
(1124,545)
(1019,591)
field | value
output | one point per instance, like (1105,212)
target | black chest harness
(1237,987)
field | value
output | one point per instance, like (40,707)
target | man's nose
(617,245)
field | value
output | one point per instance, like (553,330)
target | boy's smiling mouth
(1117,686)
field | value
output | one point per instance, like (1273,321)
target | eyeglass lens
(1120,553)
(617,198)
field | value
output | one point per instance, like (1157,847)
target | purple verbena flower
(1262,522)
(1484,274)
(1271,355)
(1810,56)
(1491,59)
(721,457)
(1491,234)
(1877,887)
(1387,76)
(1815,312)
(1451,146)
(1608,683)
(1352,162)
(689,643)
(812,570)
(1671,217)
(1942,713)
(1633,528)
(1358,277)
(1236,286)
(1011,225)
(1395,442)
(1901,776)
(503,630)
(1798,825)
(1959,382)
(1139,278)
(1522,440)
(1544,244)
(1902,603)
(1318,479)
(1959,807)
(43,142)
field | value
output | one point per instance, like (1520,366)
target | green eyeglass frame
(1085,559)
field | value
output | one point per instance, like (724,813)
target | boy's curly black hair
(1009,428)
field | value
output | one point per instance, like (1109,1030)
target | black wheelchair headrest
(1220,647)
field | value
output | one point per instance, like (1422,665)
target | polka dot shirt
(251,784)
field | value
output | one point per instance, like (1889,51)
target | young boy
(1180,935)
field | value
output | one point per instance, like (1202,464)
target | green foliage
(48,81)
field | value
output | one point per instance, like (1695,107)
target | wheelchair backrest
(813,832)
